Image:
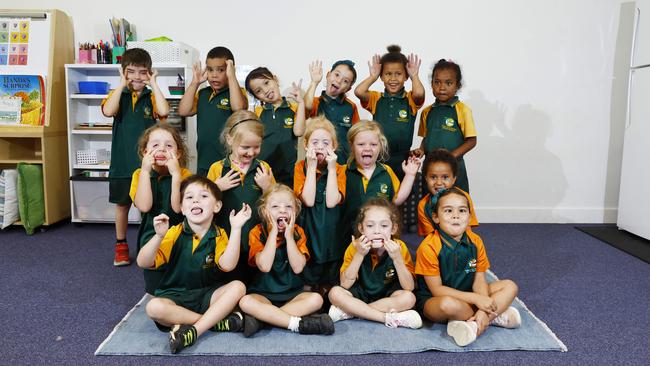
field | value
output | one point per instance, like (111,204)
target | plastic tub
(93,87)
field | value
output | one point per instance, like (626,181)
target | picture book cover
(31,90)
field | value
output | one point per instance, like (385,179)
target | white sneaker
(408,319)
(508,319)
(463,332)
(337,314)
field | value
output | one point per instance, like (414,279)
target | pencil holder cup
(117,54)
(84,57)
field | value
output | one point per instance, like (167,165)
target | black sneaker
(251,325)
(232,323)
(316,324)
(181,336)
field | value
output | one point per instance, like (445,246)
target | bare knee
(449,306)
(405,299)
(247,302)
(156,308)
(335,294)
(236,288)
(511,286)
(314,300)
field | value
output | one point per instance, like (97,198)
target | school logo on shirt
(209,261)
(389,276)
(224,104)
(288,122)
(224,101)
(345,122)
(449,125)
(402,113)
(383,188)
(471,266)
(147,112)
(402,116)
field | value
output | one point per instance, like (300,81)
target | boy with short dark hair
(134,108)
(194,296)
(213,104)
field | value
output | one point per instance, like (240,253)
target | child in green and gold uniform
(212,105)
(134,108)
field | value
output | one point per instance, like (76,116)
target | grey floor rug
(136,335)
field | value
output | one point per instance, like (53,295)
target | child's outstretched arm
(147,256)
(413,69)
(332,192)
(230,256)
(237,100)
(297,259)
(308,194)
(186,106)
(362,90)
(316,74)
(174,169)
(299,121)
(162,107)
(351,273)
(410,167)
(404,276)
(112,104)
(143,199)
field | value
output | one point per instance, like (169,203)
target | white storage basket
(172,53)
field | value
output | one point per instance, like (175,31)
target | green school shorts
(118,191)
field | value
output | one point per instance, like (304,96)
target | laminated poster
(14,40)
(30,89)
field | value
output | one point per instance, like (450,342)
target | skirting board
(545,215)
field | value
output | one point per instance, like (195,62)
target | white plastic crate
(172,53)
(91,202)
(93,157)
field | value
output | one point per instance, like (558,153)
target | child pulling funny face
(376,228)
(321,147)
(161,149)
(453,215)
(280,211)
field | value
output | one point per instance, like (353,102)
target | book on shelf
(30,90)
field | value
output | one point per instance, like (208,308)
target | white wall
(538,75)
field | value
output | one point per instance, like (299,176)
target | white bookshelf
(89,197)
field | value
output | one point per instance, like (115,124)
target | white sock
(294,324)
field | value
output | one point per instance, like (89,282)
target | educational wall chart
(14,41)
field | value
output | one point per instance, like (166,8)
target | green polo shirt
(279,143)
(212,111)
(281,283)
(447,125)
(358,189)
(161,188)
(396,114)
(128,125)
(343,113)
(192,262)
(246,192)
(321,223)
(377,276)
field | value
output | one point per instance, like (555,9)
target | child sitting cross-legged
(377,273)
(192,296)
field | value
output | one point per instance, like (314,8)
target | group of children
(257,237)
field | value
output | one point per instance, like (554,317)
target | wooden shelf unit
(47,144)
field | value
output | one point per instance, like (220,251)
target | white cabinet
(89,137)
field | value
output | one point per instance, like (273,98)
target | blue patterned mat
(137,335)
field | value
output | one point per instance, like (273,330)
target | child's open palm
(229,181)
(237,220)
(374,66)
(161,225)
(361,244)
(200,74)
(411,165)
(413,65)
(263,177)
(152,75)
(295,92)
(316,71)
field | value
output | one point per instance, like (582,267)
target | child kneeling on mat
(192,296)
(451,264)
